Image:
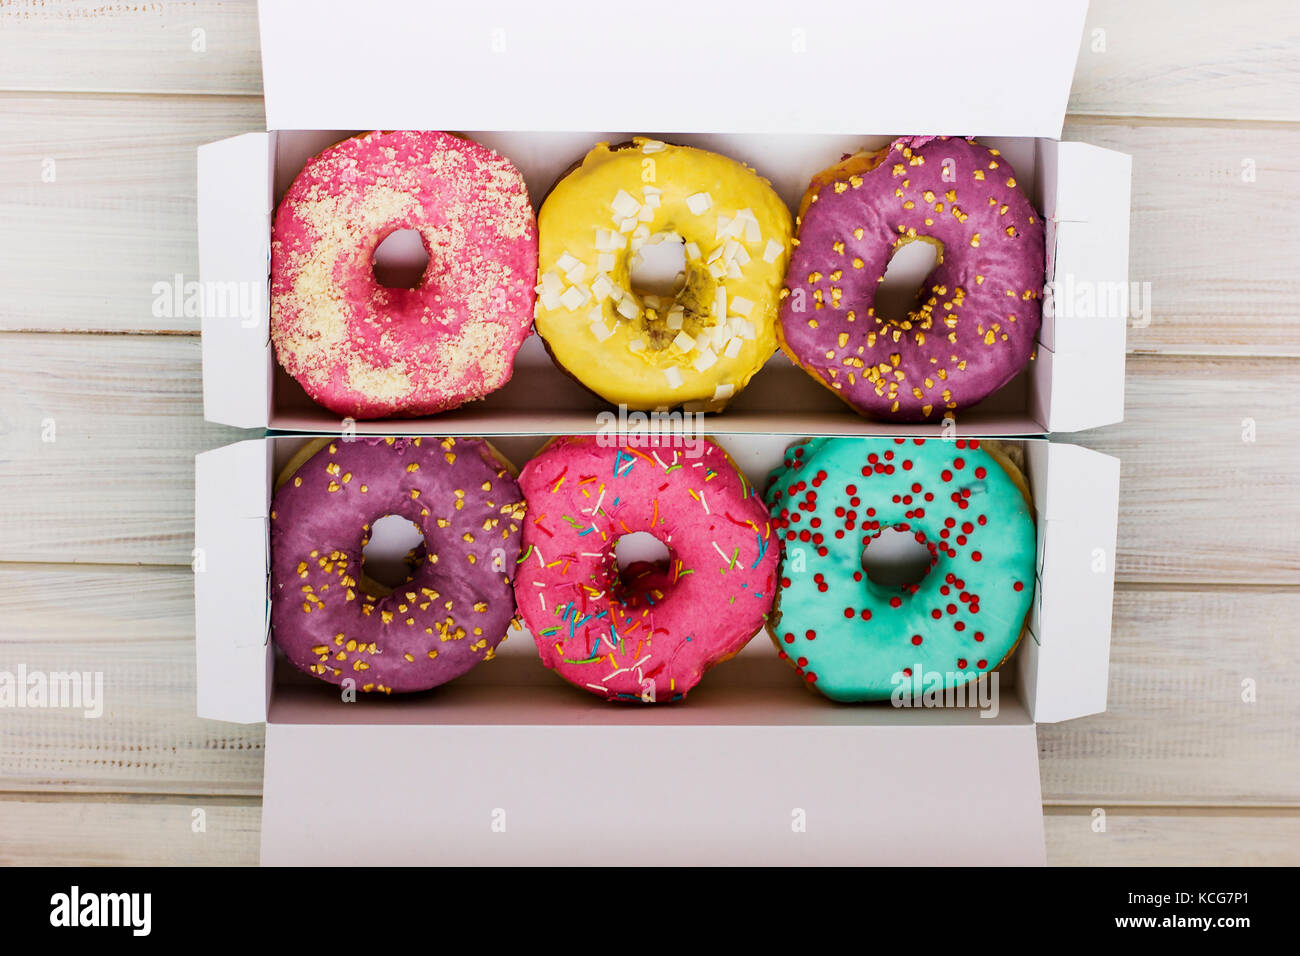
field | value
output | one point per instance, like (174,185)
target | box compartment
(1075,381)
(748,741)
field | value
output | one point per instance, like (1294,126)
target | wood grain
(117,830)
(1210,206)
(1189,58)
(135,626)
(141,46)
(1157,837)
(85,250)
(116,485)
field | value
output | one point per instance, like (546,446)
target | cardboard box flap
(231,603)
(234,206)
(1087,304)
(1064,663)
(731,794)
(679,66)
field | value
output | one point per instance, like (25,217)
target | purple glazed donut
(333,622)
(976,318)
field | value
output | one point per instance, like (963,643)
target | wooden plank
(180,46)
(116,484)
(112,830)
(1189,58)
(1176,730)
(131,406)
(1208,473)
(134,626)
(85,250)
(1158,837)
(1208,207)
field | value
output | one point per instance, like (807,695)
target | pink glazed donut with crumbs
(364,350)
(649,632)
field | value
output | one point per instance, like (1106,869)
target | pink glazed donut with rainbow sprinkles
(365,350)
(975,322)
(649,632)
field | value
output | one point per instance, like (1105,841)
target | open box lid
(678,66)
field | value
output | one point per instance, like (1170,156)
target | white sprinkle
(636,345)
(602,286)
(605,262)
(675,317)
(552,283)
(720,303)
(549,299)
(772,251)
(692,251)
(566,262)
(647,213)
(741,306)
(604,240)
(723,392)
(601,331)
(722,227)
(628,308)
(625,205)
(699,203)
(705,360)
(684,342)
(627,225)
(652,146)
(577,273)
(733,347)
(707,511)
(642,232)
(574,296)
(674,377)
(733,270)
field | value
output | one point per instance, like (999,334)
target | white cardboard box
(721,777)
(752,768)
(786,87)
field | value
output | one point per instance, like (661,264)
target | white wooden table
(103,105)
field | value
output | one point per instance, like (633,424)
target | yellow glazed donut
(697,348)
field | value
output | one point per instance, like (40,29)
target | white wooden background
(96,527)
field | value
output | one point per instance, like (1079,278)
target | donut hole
(642,564)
(905,275)
(391,553)
(658,269)
(400,260)
(896,559)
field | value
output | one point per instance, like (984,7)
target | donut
(698,347)
(334,622)
(364,350)
(648,633)
(853,639)
(977,315)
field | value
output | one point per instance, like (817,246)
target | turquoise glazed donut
(856,640)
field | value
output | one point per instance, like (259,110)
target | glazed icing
(975,323)
(651,632)
(368,351)
(455,609)
(699,348)
(854,639)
